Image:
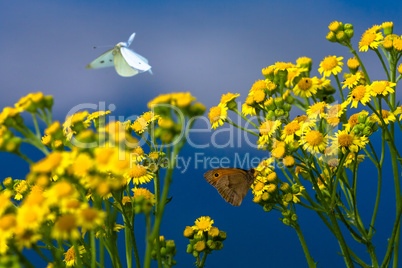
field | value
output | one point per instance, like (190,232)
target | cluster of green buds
(278,107)
(9,142)
(167,252)
(204,242)
(340,33)
(366,125)
(289,217)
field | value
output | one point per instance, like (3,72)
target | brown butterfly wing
(231,183)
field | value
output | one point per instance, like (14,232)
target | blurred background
(208,48)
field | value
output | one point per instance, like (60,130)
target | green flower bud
(331,37)
(8,183)
(163,251)
(286,213)
(170,246)
(269,104)
(211,244)
(279,113)
(137,209)
(287,197)
(348,26)
(349,33)
(197,109)
(268,207)
(295,189)
(285,187)
(287,107)
(279,102)
(374,127)
(232,105)
(48,100)
(290,99)
(286,221)
(360,126)
(222,235)
(219,245)
(356,130)
(293,217)
(195,254)
(270,115)
(153,254)
(362,118)
(265,196)
(198,237)
(367,131)
(341,36)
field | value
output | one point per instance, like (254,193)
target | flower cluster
(167,252)
(204,238)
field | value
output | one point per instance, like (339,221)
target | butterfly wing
(231,183)
(130,39)
(104,60)
(121,65)
(134,61)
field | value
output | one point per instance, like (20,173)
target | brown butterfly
(232,183)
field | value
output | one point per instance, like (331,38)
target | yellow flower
(371,38)
(5,201)
(70,258)
(348,141)
(258,95)
(59,191)
(139,125)
(350,160)
(317,110)
(217,115)
(290,130)
(381,88)
(145,193)
(304,62)
(228,98)
(334,26)
(314,141)
(181,99)
(21,189)
(47,164)
(139,174)
(202,224)
(26,237)
(352,80)
(74,123)
(353,63)
(97,114)
(386,116)
(293,73)
(259,187)
(90,218)
(267,129)
(164,98)
(82,166)
(288,161)
(138,154)
(335,112)
(150,117)
(283,66)
(268,71)
(66,227)
(321,83)
(359,94)
(305,88)
(400,68)
(331,65)
(30,217)
(397,43)
(8,114)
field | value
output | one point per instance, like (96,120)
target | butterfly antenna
(94,47)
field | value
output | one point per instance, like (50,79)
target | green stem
(127,236)
(391,241)
(93,250)
(77,253)
(309,259)
(204,258)
(37,131)
(383,63)
(245,118)
(235,125)
(101,252)
(340,87)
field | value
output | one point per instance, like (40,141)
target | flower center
(203,225)
(345,140)
(215,114)
(378,88)
(291,128)
(329,63)
(89,214)
(314,138)
(305,83)
(358,93)
(137,171)
(66,223)
(259,186)
(70,254)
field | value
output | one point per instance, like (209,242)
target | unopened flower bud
(199,246)
(286,221)
(265,196)
(8,183)
(295,189)
(349,33)
(188,232)
(268,207)
(341,36)
(388,28)
(362,118)
(170,246)
(211,244)
(222,235)
(348,26)
(287,107)
(331,37)
(213,232)
(219,245)
(163,251)
(287,197)
(195,254)
(293,217)
(285,187)
(279,102)
(189,248)
(279,113)
(367,131)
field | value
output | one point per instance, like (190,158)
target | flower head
(202,224)
(139,174)
(371,38)
(382,88)
(360,94)
(314,141)
(331,65)
(305,88)
(217,115)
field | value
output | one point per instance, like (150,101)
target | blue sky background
(207,48)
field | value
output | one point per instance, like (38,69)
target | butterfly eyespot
(216,175)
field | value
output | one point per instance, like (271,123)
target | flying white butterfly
(126,62)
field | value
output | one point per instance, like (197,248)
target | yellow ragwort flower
(330,65)
(202,224)
(139,174)
(226,98)
(371,38)
(382,88)
(348,141)
(352,80)
(217,115)
(313,141)
(360,94)
(305,88)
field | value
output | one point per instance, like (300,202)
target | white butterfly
(126,62)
